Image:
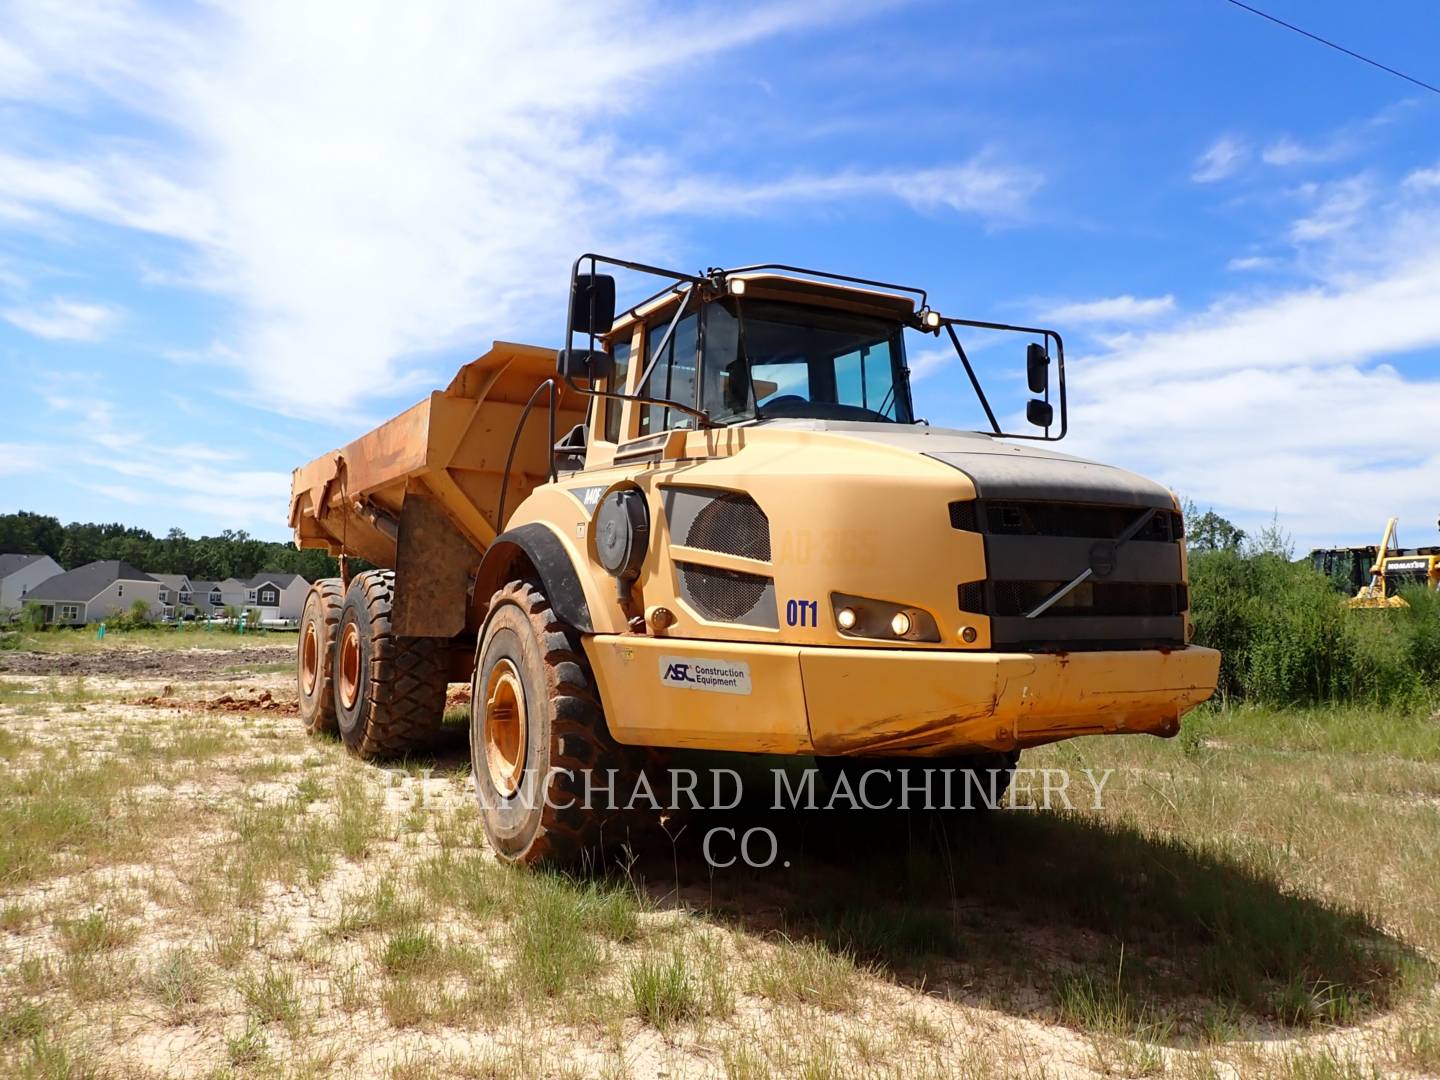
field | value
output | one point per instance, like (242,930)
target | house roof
(282,580)
(86,582)
(10,563)
(174,582)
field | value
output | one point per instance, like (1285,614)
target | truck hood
(1002,470)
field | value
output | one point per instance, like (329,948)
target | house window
(250,595)
(120,590)
(269,598)
(215,597)
(185,596)
(69,612)
(164,596)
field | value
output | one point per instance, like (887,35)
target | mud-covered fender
(541,548)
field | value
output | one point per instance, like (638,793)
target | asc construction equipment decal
(721,676)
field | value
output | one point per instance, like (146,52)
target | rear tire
(389,690)
(315,656)
(536,732)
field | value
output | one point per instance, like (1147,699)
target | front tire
(537,732)
(389,690)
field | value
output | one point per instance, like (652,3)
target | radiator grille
(725,595)
(731,523)
(1022,518)
(1136,597)
(1088,598)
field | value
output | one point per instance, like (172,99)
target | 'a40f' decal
(802,613)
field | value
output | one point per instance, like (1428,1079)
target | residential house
(177,598)
(95,592)
(277,597)
(19,574)
(207,598)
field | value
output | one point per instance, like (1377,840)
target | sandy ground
(286,980)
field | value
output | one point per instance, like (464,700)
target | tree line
(206,558)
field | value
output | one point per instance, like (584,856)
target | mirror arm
(979,391)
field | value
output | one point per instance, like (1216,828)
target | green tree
(1211,532)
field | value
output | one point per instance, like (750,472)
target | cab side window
(673,377)
(620,352)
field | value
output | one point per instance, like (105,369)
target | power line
(1339,48)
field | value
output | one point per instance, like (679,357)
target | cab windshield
(767,359)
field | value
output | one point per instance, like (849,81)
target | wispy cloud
(1252,262)
(363,196)
(1423,179)
(59,319)
(1285,151)
(1242,405)
(1222,160)
(1337,207)
(1113,309)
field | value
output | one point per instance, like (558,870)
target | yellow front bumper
(789,699)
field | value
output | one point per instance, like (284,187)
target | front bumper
(789,699)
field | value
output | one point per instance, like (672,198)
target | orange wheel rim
(309,660)
(504,705)
(350,666)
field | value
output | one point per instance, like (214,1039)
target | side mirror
(1040,413)
(592,303)
(1037,369)
(583,364)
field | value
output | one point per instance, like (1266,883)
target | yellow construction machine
(745,540)
(1394,567)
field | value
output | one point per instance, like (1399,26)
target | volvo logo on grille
(1102,559)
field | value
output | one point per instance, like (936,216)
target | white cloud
(1338,208)
(21,459)
(1113,309)
(1424,179)
(1286,151)
(63,320)
(927,362)
(1222,160)
(367,188)
(1252,262)
(1281,403)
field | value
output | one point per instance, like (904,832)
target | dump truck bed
(437,467)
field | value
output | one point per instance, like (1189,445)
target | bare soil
(143,662)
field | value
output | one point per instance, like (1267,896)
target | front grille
(1087,598)
(1022,518)
(1135,597)
(728,595)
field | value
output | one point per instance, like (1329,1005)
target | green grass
(85,639)
(663,990)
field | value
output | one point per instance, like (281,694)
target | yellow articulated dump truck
(715,521)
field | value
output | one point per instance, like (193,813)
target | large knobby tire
(389,690)
(315,656)
(536,732)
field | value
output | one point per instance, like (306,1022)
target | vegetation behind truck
(745,541)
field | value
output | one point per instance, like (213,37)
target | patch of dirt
(261,702)
(140,662)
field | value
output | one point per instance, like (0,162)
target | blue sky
(233,237)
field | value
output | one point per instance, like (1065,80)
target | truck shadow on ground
(1056,915)
(1064,915)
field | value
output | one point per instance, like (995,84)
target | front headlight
(881,620)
